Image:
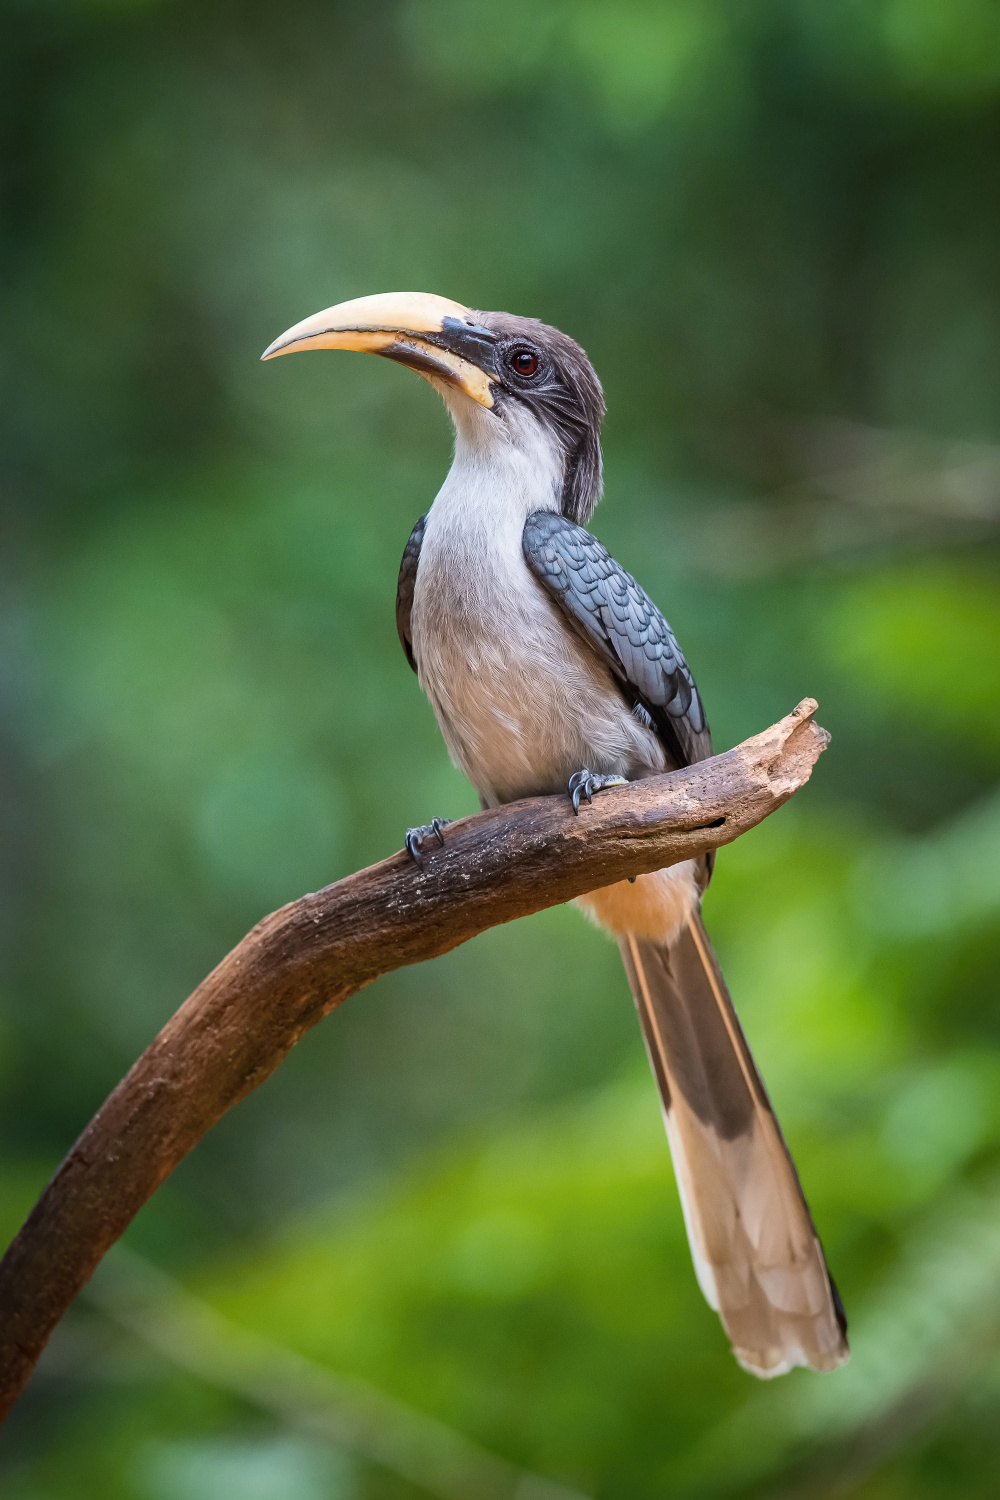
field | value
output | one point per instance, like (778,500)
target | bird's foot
(415,837)
(585,783)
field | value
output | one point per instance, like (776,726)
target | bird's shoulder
(615,615)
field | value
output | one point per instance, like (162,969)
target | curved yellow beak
(438,338)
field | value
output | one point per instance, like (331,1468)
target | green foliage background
(776,228)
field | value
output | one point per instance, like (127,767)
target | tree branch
(304,960)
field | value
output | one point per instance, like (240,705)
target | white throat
(505,468)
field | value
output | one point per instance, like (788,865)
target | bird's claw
(415,837)
(585,783)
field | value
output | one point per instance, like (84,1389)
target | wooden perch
(302,961)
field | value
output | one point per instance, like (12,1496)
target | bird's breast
(521,701)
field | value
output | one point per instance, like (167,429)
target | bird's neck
(503,471)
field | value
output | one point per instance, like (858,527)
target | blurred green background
(775,226)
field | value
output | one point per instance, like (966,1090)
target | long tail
(756,1252)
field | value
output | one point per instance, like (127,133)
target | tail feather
(756,1253)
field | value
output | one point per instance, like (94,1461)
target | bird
(550,670)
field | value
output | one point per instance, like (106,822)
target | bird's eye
(524,361)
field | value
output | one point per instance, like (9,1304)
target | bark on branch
(304,960)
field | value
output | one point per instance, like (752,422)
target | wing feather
(405,586)
(606,606)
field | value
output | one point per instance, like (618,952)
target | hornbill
(548,667)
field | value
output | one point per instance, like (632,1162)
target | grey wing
(618,618)
(405,586)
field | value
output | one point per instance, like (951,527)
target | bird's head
(504,379)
